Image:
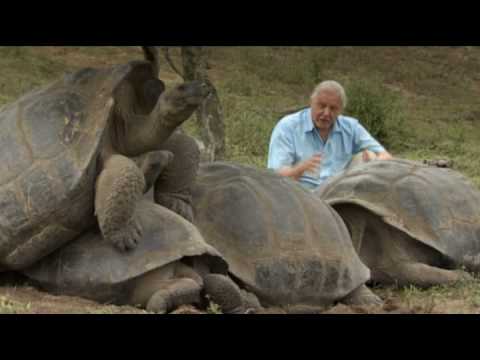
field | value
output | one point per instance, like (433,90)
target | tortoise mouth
(193,93)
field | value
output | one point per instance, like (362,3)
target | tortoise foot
(126,237)
(225,293)
(180,292)
(178,203)
(362,296)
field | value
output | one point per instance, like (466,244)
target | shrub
(249,136)
(378,108)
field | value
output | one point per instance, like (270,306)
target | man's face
(326,107)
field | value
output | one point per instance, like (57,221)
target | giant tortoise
(171,266)
(282,244)
(411,224)
(69,153)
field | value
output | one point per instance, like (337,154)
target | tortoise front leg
(152,164)
(119,187)
(173,186)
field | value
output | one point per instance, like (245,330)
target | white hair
(331,85)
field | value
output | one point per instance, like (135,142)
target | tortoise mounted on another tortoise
(170,267)
(69,155)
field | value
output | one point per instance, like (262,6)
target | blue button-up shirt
(295,139)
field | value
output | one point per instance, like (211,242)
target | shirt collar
(307,122)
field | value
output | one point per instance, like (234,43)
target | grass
(427,98)
(9,306)
(22,71)
(214,309)
(431,92)
(462,297)
(431,95)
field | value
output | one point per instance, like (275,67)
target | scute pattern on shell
(436,206)
(283,243)
(90,267)
(50,141)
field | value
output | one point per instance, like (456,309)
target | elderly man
(318,142)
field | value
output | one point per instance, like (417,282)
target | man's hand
(384,155)
(368,155)
(310,165)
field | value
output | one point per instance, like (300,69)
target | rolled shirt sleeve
(362,140)
(281,151)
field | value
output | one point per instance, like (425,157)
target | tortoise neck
(135,134)
(162,122)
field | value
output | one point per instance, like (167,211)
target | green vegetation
(463,297)
(9,306)
(380,109)
(421,102)
(213,308)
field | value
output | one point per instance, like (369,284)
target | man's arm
(384,155)
(370,155)
(296,171)
(365,142)
(281,155)
(281,150)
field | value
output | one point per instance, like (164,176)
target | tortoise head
(174,107)
(187,96)
(147,113)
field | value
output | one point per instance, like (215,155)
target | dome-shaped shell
(436,206)
(50,141)
(284,244)
(91,267)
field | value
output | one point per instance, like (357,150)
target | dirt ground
(25,299)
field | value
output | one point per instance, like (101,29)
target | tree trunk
(209,114)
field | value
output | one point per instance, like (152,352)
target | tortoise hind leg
(225,293)
(164,289)
(423,275)
(152,164)
(362,296)
(251,302)
(173,294)
(219,288)
(173,186)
